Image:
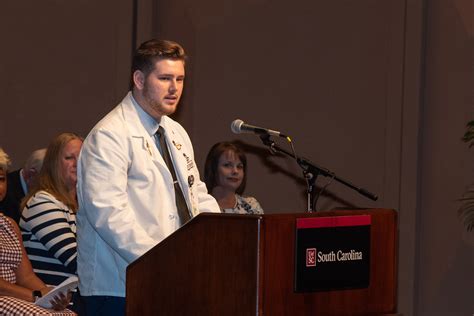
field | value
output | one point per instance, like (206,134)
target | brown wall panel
(327,74)
(446,251)
(63,65)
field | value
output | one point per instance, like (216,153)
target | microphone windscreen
(236,125)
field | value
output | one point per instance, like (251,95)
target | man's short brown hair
(152,50)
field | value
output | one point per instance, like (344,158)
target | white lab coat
(126,196)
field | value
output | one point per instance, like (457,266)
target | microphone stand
(311,171)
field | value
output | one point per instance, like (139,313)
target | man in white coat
(127,196)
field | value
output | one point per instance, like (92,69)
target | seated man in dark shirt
(19,182)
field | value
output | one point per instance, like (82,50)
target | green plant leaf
(469,134)
(466,210)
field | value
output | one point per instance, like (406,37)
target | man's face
(159,93)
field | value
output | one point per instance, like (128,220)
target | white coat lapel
(141,135)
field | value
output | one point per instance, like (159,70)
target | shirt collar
(24,186)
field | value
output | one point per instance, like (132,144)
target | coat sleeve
(206,202)
(102,192)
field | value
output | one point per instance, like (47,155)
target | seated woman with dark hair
(225,175)
(19,285)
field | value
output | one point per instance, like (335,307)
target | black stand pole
(311,171)
(311,195)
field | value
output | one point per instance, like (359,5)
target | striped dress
(48,228)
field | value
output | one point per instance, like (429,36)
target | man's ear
(139,79)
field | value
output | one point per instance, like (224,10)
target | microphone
(238,126)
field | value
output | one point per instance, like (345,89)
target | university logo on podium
(340,248)
(311,257)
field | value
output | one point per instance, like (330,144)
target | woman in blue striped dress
(48,220)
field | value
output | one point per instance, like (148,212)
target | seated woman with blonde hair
(19,285)
(48,218)
(225,175)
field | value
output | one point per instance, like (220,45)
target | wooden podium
(223,264)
